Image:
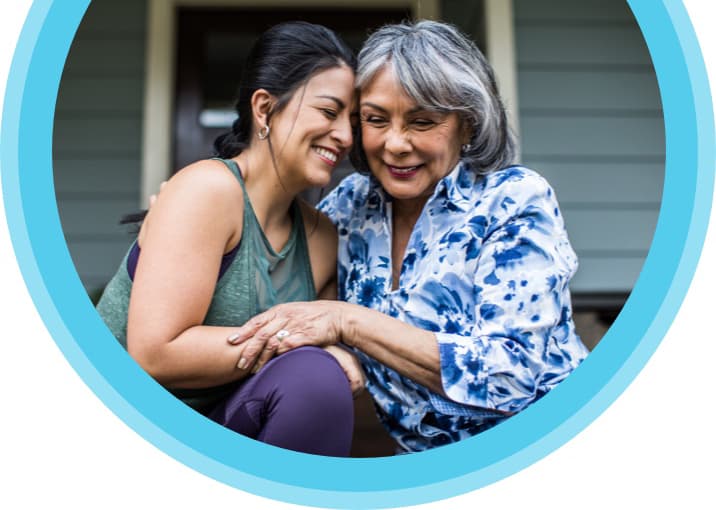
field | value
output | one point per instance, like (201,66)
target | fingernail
(243,363)
(233,338)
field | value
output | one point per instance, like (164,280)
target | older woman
(454,265)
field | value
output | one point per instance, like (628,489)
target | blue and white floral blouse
(487,269)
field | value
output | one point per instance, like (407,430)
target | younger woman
(226,240)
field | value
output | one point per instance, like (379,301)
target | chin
(319,180)
(401,190)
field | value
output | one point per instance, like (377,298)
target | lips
(403,172)
(327,155)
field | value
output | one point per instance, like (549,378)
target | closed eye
(373,120)
(423,123)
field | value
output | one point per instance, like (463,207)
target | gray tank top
(256,279)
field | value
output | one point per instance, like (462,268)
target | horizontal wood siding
(592,124)
(97,136)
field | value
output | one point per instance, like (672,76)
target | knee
(314,376)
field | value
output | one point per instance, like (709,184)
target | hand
(307,323)
(153,198)
(351,366)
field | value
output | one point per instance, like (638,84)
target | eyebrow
(340,103)
(417,109)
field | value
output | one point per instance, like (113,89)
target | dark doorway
(212,47)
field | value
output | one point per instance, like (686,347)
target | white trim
(501,52)
(158,86)
(159,76)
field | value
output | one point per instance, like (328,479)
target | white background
(60,446)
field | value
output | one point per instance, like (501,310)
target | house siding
(589,109)
(592,124)
(98,136)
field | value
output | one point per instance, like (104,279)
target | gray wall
(592,124)
(97,140)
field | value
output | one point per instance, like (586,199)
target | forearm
(200,357)
(410,351)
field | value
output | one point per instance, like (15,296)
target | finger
(265,355)
(297,339)
(358,390)
(249,329)
(357,383)
(162,185)
(354,380)
(256,344)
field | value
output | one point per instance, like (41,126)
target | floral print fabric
(487,269)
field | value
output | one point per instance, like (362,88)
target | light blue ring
(405,480)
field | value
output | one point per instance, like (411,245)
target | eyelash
(423,122)
(331,114)
(375,120)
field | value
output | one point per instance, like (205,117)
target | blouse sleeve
(328,205)
(523,336)
(338,204)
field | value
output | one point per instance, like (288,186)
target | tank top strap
(233,167)
(303,258)
(249,215)
(299,227)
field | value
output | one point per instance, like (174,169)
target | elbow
(151,357)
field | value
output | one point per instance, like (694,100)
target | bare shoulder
(205,192)
(207,176)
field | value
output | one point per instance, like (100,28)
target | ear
(261,105)
(466,131)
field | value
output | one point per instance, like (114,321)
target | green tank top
(257,278)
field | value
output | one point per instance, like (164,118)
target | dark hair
(283,59)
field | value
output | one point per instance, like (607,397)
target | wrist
(346,324)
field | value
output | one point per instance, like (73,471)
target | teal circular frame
(26,165)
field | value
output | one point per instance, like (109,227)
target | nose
(397,141)
(343,132)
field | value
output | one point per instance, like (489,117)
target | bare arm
(330,322)
(322,250)
(191,225)
(374,333)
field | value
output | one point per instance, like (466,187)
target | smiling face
(408,148)
(313,133)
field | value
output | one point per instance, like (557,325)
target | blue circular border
(26,165)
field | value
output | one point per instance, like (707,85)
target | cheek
(443,146)
(371,142)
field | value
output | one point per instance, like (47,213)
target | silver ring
(282,334)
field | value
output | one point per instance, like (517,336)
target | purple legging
(300,401)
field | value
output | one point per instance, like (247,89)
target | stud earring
(466,147)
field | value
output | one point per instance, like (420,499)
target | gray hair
(442,70)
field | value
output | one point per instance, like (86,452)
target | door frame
(160,66)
